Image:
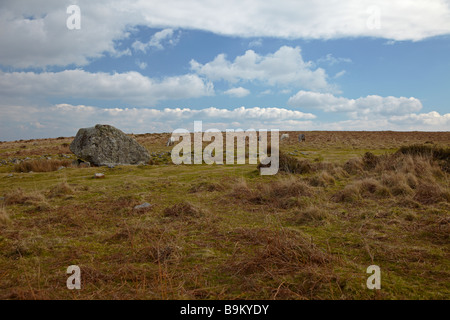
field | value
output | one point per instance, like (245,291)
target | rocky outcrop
(104,145)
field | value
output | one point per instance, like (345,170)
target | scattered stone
(284,136)
(2,198)
(145,205)
(99,176)
(170,142)
(60,168)
(301,137)
(104,145)
(80,163)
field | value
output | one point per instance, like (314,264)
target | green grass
(249,236)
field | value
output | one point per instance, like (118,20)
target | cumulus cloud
(369,106)
(65,119)
(34,34)
(237,92)
(19,122)
(285,67)
(156,41)
(129,87)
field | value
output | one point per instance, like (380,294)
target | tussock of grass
(311,214)
(290,164)
(369,161)
(350,193)
(60,190)
(206,186)
(281,251)
(431,193)
(41,165)
(371,187)
(354,166)
(183,209)
(397,184)
(282,193)
(323,179)
(4,216)
(438,153)
(18,196)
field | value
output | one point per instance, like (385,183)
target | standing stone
(104,145)
(301,137)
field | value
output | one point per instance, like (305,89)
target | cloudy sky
(158,65)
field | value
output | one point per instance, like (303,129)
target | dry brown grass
(4,216)
(183,209)
(431,193)
(281,251)
(281,193)
(206,186)
(60,190)
(354,166)
(323,179)
(18,196)
(41,165)
(350,193)
(309,215)
(397,184)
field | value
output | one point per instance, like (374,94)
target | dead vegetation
(41,165)
(183,209)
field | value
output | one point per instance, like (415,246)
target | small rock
(145,205)
(2,198)
(111,166)
(99,176)
(60,168)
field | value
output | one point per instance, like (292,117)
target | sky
(156,66)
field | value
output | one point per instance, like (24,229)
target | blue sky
(151,66)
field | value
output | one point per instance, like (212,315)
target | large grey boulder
(104,145)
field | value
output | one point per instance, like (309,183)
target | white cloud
(130,87)
(65,119)
(255,43)
(330,60)
(156,41)
(322,19)
(285,67)
(364,107)
(432,120)
(34,33)
(19,122)
(237,92)
(266,92)
(141,65)
(339,74)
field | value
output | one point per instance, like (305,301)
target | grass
(41,165)
(225,232)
